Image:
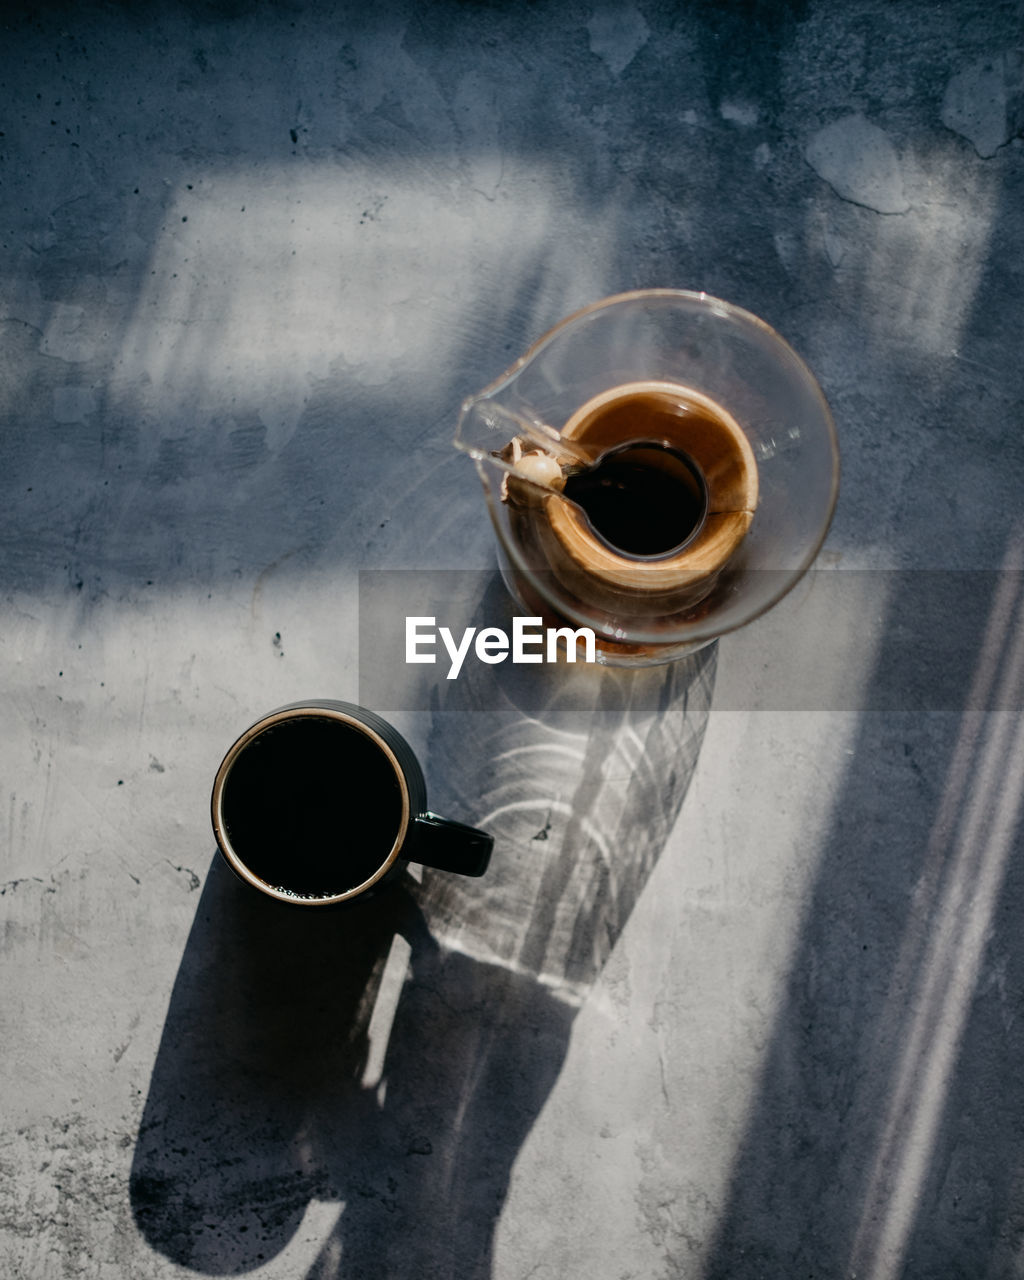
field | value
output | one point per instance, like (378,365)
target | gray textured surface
(251,259)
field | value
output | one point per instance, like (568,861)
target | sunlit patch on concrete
(915,266)
(262,283)
(384,1009)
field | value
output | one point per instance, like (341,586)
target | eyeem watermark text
(493,645)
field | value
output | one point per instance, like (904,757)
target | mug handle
(450,846)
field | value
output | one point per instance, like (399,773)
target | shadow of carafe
(393,1057)
(581,790)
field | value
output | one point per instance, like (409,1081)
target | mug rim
(306,711)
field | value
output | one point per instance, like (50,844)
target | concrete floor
(764,1017)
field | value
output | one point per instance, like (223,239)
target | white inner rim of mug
(261,726)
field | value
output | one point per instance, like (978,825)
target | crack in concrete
(193,880)
(14,884)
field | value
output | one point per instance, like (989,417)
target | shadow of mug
(263,1096)
(264,1042)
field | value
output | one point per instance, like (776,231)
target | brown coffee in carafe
(653,521)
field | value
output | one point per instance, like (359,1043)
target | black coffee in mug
(318,802)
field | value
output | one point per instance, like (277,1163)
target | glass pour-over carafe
(660,467)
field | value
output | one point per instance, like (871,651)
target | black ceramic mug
(318,802)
